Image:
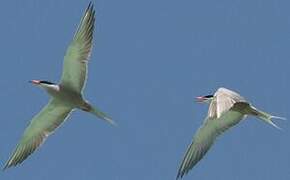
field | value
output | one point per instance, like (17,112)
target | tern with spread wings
(227,108)
(65,96)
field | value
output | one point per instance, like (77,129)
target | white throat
(52,89)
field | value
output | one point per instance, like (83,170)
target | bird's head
(45,84)
(204,99)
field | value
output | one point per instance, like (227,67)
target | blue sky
(150,59)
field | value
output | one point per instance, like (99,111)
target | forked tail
(266,117)
(100,114)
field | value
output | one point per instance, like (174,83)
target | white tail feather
(266,117)
(277,117)
(273,124)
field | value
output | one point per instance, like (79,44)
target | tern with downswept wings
(226,109)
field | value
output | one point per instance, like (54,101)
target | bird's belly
(70,98)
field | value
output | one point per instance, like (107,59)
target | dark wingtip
(179,175)
(90,9)
(90,3)
(7,165)
(90,6)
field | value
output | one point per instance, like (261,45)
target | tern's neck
(52,89)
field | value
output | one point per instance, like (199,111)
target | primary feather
(205,137)
(40,127)
(76,59)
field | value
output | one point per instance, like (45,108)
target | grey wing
(224,99)
(201,143)
(205,137)
(40,127)
(75,61)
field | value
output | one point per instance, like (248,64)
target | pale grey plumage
(76,59)
(40,127)
(65,97)
(223,100)
(226,109)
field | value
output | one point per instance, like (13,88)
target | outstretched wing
(40,127)
(76,59)
(205,137)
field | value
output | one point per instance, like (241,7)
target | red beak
(199,99)
(35,81)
